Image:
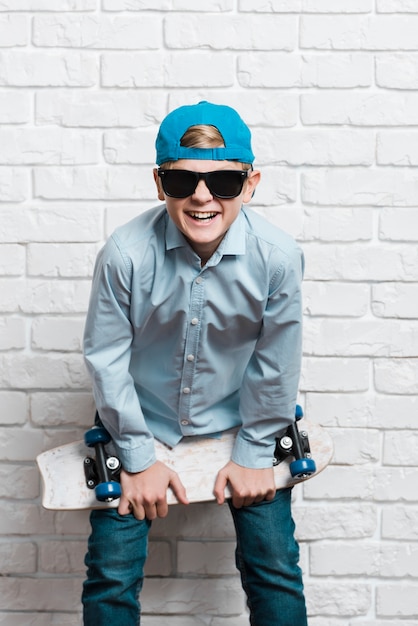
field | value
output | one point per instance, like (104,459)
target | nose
(201,193)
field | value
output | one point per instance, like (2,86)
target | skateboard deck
(197,460)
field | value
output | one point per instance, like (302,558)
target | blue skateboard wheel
(302,467)
(298,412)
(96,435)
(106,492)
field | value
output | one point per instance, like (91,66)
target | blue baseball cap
(235,133)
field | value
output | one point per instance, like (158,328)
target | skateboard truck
(101,471)
(293,442)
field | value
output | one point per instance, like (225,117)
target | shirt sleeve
(270,384)
(108,339)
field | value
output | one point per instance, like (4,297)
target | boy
(194,327)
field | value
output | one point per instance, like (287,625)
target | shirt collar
(232,243)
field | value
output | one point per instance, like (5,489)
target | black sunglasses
(221,183)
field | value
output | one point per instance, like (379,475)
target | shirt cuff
(252,454)
(137,459)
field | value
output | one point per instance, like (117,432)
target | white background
(330,90)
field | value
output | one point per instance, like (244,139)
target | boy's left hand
(248,485)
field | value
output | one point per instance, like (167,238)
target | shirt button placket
(191,349)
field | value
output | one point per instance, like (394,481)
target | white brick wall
(330,89)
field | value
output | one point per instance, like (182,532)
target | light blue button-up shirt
(175,349)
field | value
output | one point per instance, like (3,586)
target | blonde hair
(202,136)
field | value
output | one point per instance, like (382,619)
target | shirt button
(195,321)
(186,390)
(190,357)
(199,280)
(184,423)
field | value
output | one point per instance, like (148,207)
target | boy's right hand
(145,494)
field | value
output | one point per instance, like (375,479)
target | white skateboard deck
(197,461)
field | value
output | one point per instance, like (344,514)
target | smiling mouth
(202,216)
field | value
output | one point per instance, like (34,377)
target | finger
(219,489)
(178,489)
(125,506)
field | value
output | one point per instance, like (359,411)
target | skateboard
(84,474)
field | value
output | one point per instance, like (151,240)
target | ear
(157,179)
(250,185)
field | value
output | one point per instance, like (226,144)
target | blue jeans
(267,557)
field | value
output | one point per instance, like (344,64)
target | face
(203,218)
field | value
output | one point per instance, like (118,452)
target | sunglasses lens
(178,183)
(226,184)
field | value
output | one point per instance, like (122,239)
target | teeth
(202,216)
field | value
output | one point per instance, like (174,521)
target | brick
(62,557)
(144,70)
(66,223)
(386,560)
(52,296)
(329,299)
(398,224)
(329,337)
(46,594)
(46,146)
(159,559)
(400,448)
(400,521)
(130,146)
(396,6)
(308,6)
(206,520)
(368,410)
(398,376)
(188,596)
(95,183)
(14,107)
(94,32)
(14,184)
(355,447)
(366,483)
(18,558)
(22,480)
(323,224)
(117,214)
(166,5)
(397,71)
(57,334)
(360,109)
(333,374)
(399,600)
(43,371)
(21,518)
(351,599)
(96,109)
(360,186)
(61,260)
(12,260)
(279,187)
(397,148)
(395,300)
(14,408)
(358,32)
(308,147)
(360,262)
(206,558)
(48,5)
(42,69)
(62,409)
(13,31)
(342,71)
(355,521)
(236,32)
(41,619)
(12,333)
